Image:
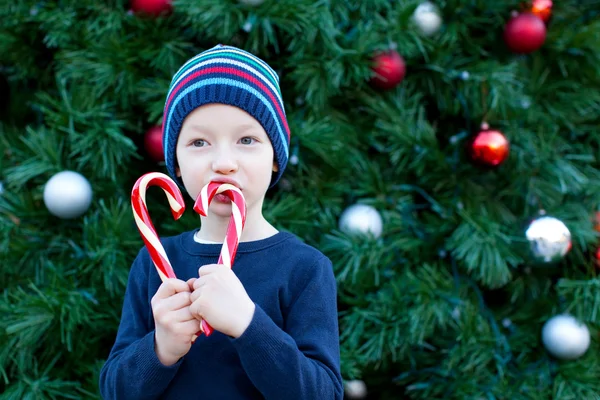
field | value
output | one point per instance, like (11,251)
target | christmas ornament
(67,194)
(543,9)
(355,389)
(549,239)
(427,18)
(151,7)
(361,219)
(525,33)
(252,2)
(565,338)
(389,68)
(489,147)
(153,143)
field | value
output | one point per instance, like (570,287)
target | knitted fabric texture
(227,75)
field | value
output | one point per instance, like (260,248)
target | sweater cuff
(262,338)
(150,367)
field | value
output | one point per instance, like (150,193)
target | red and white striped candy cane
(144,224)
(234,229)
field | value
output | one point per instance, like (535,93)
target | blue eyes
(245,140)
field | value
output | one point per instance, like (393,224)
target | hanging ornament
(525,33)
(542,8)
(427,18)
(565,338)
(252,2)
(361,219)
(151,7)
(153,143)
(67,194)
(489,147)
(549,239)
(389,68)
(355,389)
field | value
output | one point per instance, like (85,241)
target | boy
(274,313)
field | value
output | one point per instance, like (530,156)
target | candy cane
(144,224)
(234,229)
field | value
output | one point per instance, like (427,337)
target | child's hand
(220,298)
(175,325)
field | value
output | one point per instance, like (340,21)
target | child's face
(222,142)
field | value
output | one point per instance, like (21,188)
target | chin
(220,209)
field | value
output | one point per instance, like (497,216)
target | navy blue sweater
(289,351)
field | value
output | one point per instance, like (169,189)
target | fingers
(190,327)
(178,301)
(198,283)
(182,315)
(190,283)
(173,311)
(208,269)
(197,308)
(171,286)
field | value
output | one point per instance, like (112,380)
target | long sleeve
(301,361)
(133,371)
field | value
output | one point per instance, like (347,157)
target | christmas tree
(466,271)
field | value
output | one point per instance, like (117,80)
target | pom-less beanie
(227,75)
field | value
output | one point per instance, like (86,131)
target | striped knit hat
(232,76)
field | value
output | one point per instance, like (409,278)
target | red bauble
(490,147)
(151,7)
(525,33)
(542,8)
(153,143)
(389,69)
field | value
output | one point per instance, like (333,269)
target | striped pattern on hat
(227,75)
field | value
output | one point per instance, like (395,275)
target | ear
(177,172)
(275,167)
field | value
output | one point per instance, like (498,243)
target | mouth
(223,198)
(229,181)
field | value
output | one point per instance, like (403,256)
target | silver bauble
(355,389)
(565,338)
(67,194)
(361,219)
(549,239)
(428,19)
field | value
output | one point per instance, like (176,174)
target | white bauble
(355,389)
(549,239)
(361,219)
(565,338)
(427,18)
(67,194)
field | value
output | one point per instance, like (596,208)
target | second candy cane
(234,229)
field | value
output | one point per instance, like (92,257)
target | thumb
(190,283)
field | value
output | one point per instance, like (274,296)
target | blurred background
(445,156)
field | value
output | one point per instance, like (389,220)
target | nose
(224,162)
